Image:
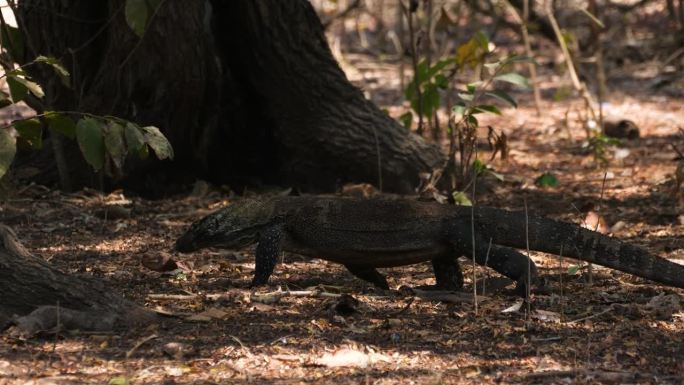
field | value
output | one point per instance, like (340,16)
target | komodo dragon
(363,234)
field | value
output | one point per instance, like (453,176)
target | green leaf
(546,179)
(438,67)
(8,148)
(114,143)
(422,72)
(466,97)
(488,108)
(406,119)
(573,269)
(135,140)
(18,90)
(459,110)
(61,123)
(461,199)
(503,96)
(430,100)
(91,141)
(31,131)
(472,120)
(482,40)
(479,167)
(136,15)
(57,66)
(158,142)
(513,78)
(27,84)
(441,81)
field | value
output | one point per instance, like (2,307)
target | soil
(603,327)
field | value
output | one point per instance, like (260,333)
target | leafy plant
(546,179)
(139,13)
(481,96)
(599,144)
(104,141)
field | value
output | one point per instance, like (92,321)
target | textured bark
(326,128)
(247,91)
(29,283)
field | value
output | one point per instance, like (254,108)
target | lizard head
(233,227)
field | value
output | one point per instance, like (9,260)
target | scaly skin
(364,234)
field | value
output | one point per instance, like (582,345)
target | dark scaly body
(364,234)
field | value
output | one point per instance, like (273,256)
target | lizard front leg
(267,252)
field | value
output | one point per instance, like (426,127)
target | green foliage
(138,14)
(91,142)
(19,86)
(104,141)
(423,92)
(546,179)
(477,97)
(599,144)
(61,123)
(30,132)
(461,198)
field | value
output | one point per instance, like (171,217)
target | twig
(402,310)
(562,273)
(523,20)
(577,84)
(174,297)
(275,296)
(472,233)
(414,60)
(606,310)
(489,249)
(529,261)
(139,344)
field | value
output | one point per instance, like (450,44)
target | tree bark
(29,284)
(247,91)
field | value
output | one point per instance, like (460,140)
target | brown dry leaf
(159,262)
(361,190)
(546,316)
(207,315)
(594,221)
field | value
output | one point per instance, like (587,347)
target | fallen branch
(274,297)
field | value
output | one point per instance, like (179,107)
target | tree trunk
(247,91)
(29,284)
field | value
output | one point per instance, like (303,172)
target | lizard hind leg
(447,273)
(369,274)
(513,264)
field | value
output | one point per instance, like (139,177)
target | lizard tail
(508,229)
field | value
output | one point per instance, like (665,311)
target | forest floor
(616,329)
